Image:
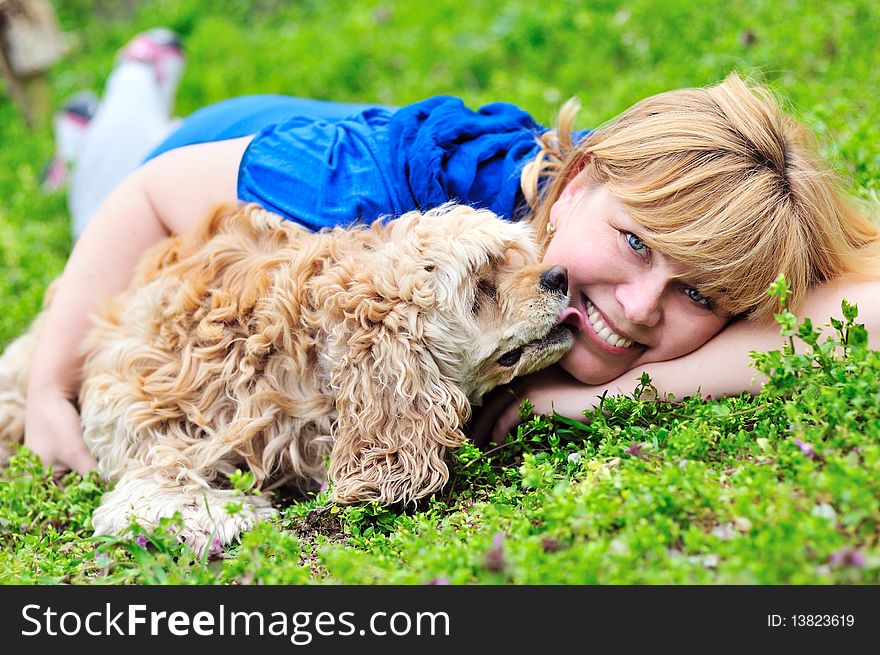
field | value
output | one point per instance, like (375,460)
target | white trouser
(133,118)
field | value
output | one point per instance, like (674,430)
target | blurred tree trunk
(30,43)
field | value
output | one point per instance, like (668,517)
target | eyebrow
(622,221)
(627,223)
(686,279)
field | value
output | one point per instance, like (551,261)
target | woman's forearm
(168,194)
(101,264)
(722,367)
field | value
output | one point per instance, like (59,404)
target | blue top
(324,164)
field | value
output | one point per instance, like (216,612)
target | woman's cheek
(702,330)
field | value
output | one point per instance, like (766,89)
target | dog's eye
(510,358)
(485,292)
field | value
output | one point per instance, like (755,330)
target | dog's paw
(14,366)
(209,516)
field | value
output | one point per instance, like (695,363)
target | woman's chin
(589,370)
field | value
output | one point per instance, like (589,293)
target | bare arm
(168,194)
(721,367)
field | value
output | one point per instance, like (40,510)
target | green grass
(782,488)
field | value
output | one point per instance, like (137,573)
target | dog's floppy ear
(397,413)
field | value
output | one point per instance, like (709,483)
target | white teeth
(604,331)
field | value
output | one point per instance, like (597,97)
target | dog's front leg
(15,364)
(207,513)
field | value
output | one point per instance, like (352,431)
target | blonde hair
(722,181)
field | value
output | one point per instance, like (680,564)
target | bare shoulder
(854,290)
(184,184)
(824,302)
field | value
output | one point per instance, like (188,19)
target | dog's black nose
(555,278)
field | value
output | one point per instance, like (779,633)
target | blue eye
(698,297)
(635,243)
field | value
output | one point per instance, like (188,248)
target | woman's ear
(578,178)
(572,187)
(561,207)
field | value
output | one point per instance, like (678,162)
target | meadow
(780,488)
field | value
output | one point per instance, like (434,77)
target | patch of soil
(318,522)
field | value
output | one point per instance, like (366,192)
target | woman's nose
(641,300)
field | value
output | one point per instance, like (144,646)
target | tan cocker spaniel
(253,343)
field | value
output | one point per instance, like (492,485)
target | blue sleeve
(322,173)
(381,162)
(445,151)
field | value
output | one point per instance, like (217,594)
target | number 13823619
(822,620)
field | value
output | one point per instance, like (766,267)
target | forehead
(594,205)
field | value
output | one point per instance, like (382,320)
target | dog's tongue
(569,315)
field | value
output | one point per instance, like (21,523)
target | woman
(672,219)
(709,193)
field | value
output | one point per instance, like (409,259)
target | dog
(253,343)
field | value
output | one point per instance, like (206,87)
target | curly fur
(252,343)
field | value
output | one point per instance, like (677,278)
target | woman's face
(626,308)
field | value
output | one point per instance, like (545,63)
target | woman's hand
(551,390)
(54,432)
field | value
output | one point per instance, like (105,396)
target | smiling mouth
(602,329)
